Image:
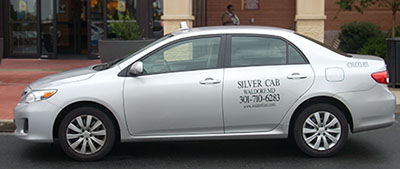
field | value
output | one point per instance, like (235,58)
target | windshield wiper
(100,67)
(111,63)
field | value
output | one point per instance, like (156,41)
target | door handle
(210,81)
(297,76)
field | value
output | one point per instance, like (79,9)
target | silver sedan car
(231,82)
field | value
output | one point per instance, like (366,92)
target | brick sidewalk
(15,74)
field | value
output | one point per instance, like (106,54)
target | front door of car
(180,91)
(266,75)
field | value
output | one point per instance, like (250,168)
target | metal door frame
(52,55)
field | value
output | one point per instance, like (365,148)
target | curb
(7,126)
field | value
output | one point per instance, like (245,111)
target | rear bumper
(371,109)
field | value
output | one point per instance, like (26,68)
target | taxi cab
(230,82)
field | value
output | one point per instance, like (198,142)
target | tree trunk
(394,23)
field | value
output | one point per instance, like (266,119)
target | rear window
(338,51)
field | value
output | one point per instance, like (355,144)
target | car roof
(233,30)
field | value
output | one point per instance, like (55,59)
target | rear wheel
(320,130)
(86,134)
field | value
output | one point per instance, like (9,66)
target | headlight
(39,95)
(25,91)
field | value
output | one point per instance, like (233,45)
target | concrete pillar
(310,18)
(176,11)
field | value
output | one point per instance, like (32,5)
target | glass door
(23,28)
(71,26)
(47,29)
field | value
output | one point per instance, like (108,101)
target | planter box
(1,48)
(113,49)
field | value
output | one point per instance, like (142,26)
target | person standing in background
(229,17)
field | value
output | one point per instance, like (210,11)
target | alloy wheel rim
(86,134)
(321,130)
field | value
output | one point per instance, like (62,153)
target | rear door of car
(263,78)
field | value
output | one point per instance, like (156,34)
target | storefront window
(46,12)
(71,26)
(119,6)
(97,24)
(74,27)
(46,23)
(122,6)
(23,38)
(23,10)
(23,27)
(157,23)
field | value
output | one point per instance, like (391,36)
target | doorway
(71,26)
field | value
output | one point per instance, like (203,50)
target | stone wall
(176,11)
(311,28)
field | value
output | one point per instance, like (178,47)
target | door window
(187,55)
(257,51)
(294,56)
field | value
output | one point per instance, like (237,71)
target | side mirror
(136,68)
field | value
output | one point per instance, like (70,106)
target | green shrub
(375,46)
(125,27)
(355,34)
(397,30)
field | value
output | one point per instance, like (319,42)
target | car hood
(63,77)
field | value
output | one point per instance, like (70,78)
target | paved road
(373,149)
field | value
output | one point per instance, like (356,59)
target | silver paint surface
(158,107)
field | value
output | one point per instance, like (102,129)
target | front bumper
(35,121)
(371,109)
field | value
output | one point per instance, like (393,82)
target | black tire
(87,134)
(321,131)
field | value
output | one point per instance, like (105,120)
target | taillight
(381,77)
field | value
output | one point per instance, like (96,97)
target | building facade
(285,14)
(72,28)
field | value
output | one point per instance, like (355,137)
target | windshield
(326,46)
(128,56)
(109,64)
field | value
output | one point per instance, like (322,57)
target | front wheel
(86,134)
(320,130)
